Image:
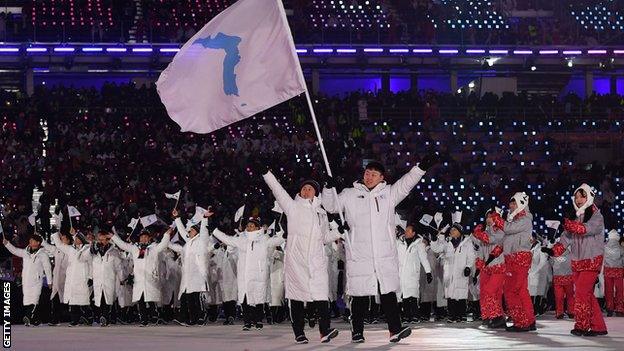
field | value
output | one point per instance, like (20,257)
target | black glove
(475,279)
(90,282)
(466,271)
(130,279)
(344,227)
(329,181)
(490,259)
(434,236)
(428,161)
(429,278)
(217,246)
(548,251)
(261,168)
(93,249)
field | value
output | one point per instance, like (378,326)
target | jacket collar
(359,185)
(255,235)
(315,203)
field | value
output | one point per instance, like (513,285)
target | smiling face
(409,232)
(251,227)
(307,192)
(372,178)
(33,244)
(455,233)
(144,238)
(513,205)
(103,238)
(580,198)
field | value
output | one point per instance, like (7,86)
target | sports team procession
(304,248)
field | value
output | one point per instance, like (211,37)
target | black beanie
(312,183)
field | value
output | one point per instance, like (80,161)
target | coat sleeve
(181,229)
(61,246)
(47,268)
(164,242)
(15,251)
(227,240)
(470,256)
(49,248)
(438,246)
(122,244)
(330,204)
(522,225)
(595,226)
(275,241)
(283,199)
(422,256)
(403,186)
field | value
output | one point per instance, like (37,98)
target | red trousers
(491,287)
(564,292)
(516,289)
(614,289)
(587,313)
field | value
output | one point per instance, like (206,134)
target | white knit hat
(522,201)
(614,235)
(591,194)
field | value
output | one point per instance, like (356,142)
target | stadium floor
(551,334)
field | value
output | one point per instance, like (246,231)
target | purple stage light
(448,51)
(373,50)
(142,50)
(399,51)
(475,51)
(572,52)
(523,52)
(36,49)
(323,51)
(116,49)
(63,49)
(597,52)
(9,49)
(92,49)
(548,52)
(422,51)
(302,51)
(169,50)
(499,52)
(346,51)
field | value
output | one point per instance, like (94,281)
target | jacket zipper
(377,204)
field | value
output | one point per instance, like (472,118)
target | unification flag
(242,62)
(133,223)
(175,196)
(239,213)
(72,211)
(148,220)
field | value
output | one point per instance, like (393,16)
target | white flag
(438,219)
(32,218)
(239,213)
(133,223)
(72,211)
(456,217)
(553,224)
(398,221)
(148,220)
(175,196)
(197,217)
(426,219)
(242,62)
(271,227)
(277,208)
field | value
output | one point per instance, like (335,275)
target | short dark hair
(376,166)
(37,238)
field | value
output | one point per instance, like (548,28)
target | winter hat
(522,200)
(459,227)
(614,235)
(312,183)
(376,166)
(591,194)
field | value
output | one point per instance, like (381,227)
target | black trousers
(190,308)
(104,309)
(57,310)
(298,312)
(361,304)
(410,308)
(32,312)
(457,309)
(229,309)
(77,311)
(425,310)
(147,310)
(252,313)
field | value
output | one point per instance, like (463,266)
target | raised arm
(331,202)
(181,229)
(61,246)
(14,250)
(522,225)
(277,240)
(122,244)
(283,199)
(227,240)
(402,188)
(164,242)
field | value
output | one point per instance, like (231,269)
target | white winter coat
(411,258)
(59,271)
(77,291)
(105,273)
(145,270)
(195,259)
(171,275)
(252,266)
(34,268)
(305,262)
(455,261)
(277,277)
(370,246)
(537,273)
(124,291)
(227,267)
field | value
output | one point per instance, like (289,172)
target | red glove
(574,227)
(497,251)
(480,234)
(558,249)
(480,264)
(499,222)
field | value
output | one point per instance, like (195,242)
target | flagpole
(71,226)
